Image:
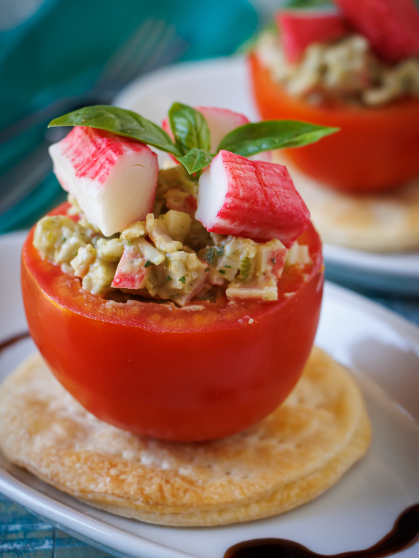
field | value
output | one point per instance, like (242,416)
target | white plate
(354,514)
(224,82)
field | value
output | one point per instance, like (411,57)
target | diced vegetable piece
(113,178)
(157,231)
(134,231)
(186,277)
(264,291)
(99,278)
(391,26)
(299,29)
(177,224)
(86,255)
(250,199)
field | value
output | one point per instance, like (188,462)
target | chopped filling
(169,256)
(345,69)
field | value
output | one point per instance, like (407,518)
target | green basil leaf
(119,121)
(189,128)
(195,160)
(251,139)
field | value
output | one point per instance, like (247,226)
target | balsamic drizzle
(12,340)
(403,535)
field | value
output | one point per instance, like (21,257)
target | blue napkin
(61,49)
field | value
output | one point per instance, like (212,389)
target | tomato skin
(172,373)
(376,148)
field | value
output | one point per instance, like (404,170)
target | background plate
(224,82)
(353,514)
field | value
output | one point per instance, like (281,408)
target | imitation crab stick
(391,26)
(113,178)
(250,199)
(299,29)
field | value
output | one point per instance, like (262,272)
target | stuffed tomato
(357,68)
(375,149)
(174,303)
(174,373)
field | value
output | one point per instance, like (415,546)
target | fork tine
(142,53)
(172,53)
(120,58)
(165,40)
(170,48)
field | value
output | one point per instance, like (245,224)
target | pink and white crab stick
(113,178)
(251,199)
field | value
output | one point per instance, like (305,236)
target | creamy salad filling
(346,68)
(169,256)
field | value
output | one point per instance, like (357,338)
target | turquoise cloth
(61,49)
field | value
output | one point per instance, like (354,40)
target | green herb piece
(168,278)
(210,255)
(183,279)
(207,269)
(220,251)
(195,160)
(273,260)
(189,128)
(148,263)
(222,271)
(251,139)
(245,268)
(228,266)
(119,121)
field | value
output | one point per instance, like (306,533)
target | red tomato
(376,148)
(167,372)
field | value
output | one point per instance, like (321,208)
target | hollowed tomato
(375,149)
(172,373)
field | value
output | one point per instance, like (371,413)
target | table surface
(24,535)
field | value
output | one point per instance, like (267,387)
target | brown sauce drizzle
(12,340)
(403,535)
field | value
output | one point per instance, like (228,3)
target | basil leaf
(195,160)
(189,128)
(251,139)
(119,121)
